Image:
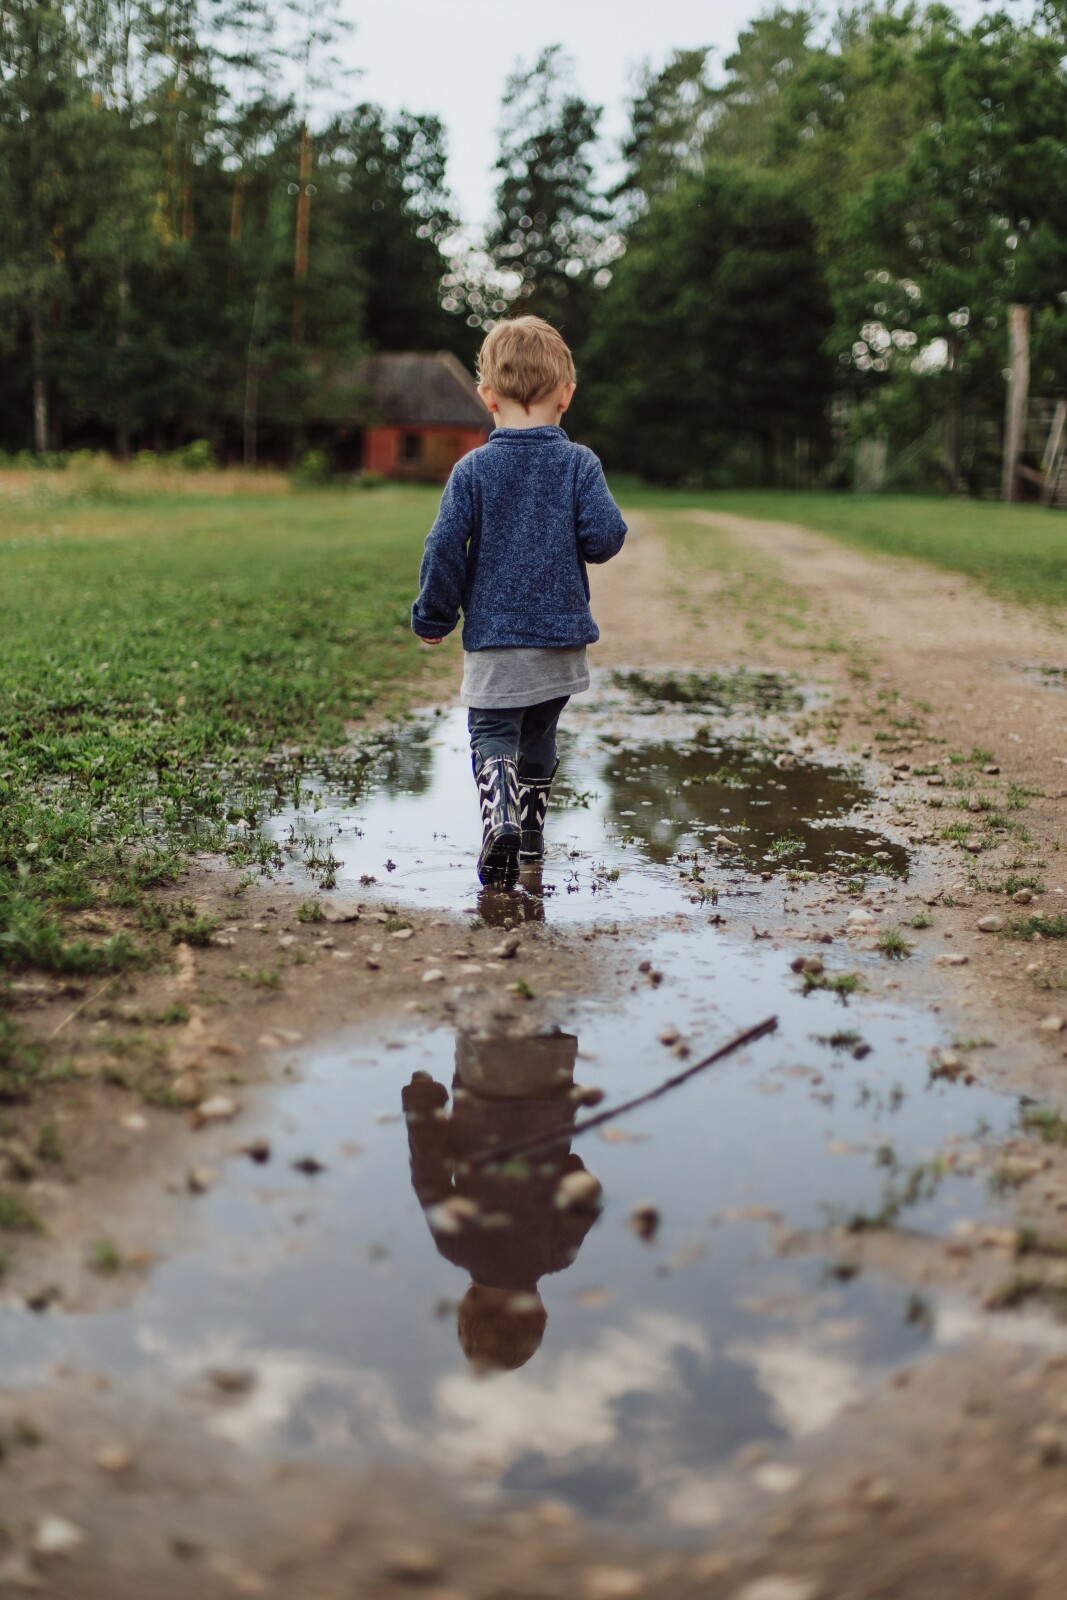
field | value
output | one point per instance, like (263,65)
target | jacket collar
(526,435)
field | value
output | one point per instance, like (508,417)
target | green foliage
(707,356)
(550,221)
(312,470)
(147,234)
(1054,927)
(892,944)
(16,1216)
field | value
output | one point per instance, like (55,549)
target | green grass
(155,651)
(1016,551)
(893,945)
(1054,927)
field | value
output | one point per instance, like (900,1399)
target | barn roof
(420,388)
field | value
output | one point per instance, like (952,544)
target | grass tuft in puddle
(892,944)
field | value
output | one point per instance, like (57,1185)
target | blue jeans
(525,733)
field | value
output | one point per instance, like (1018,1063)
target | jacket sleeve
(443,574)
(601,529)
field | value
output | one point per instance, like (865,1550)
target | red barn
(421,413)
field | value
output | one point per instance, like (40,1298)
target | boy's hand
(430,641)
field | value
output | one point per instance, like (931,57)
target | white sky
(452,57)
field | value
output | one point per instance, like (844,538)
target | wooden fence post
(1015,409)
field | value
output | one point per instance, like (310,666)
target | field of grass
(1019,552)
(154,649)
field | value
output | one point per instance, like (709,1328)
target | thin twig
(80,1007)
(543,1141)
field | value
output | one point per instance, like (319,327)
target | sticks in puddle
(545,1141)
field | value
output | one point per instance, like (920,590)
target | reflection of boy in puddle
(502,1225)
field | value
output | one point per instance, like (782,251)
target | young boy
(519,519)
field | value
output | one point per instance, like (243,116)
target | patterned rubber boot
(533,808)
(498,794)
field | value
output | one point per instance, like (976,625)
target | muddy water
(405,824)
(640,1367)
(397,1298)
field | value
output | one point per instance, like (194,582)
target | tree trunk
(237,212)
(251,406)
(40,388)
(303,230)
(1018,385)
(122,335)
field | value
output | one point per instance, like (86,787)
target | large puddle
(377,1291)
(404,822)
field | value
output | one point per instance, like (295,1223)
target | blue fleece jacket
(519,519)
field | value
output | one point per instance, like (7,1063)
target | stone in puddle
(859,919)
(232,1380)
(578,1191)
(948,1064)
(644,1220)
(507,947)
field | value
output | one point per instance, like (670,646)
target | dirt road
(946,1475)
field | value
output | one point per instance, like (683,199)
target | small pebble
(775,1587)
(645,1220)
(220,1108)
(435,975)
(578,1191)
(55,1536)
(114,1457)
(340,910)
(412,1563)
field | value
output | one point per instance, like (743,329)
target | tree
(549,236)
(708,359)
(670,117)
(42,112)
(386,178)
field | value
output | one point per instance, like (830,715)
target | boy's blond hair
(499,1329)
(525,359)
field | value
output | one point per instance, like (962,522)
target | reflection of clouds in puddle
(808,1388)
(569,1404)
(362,1403)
